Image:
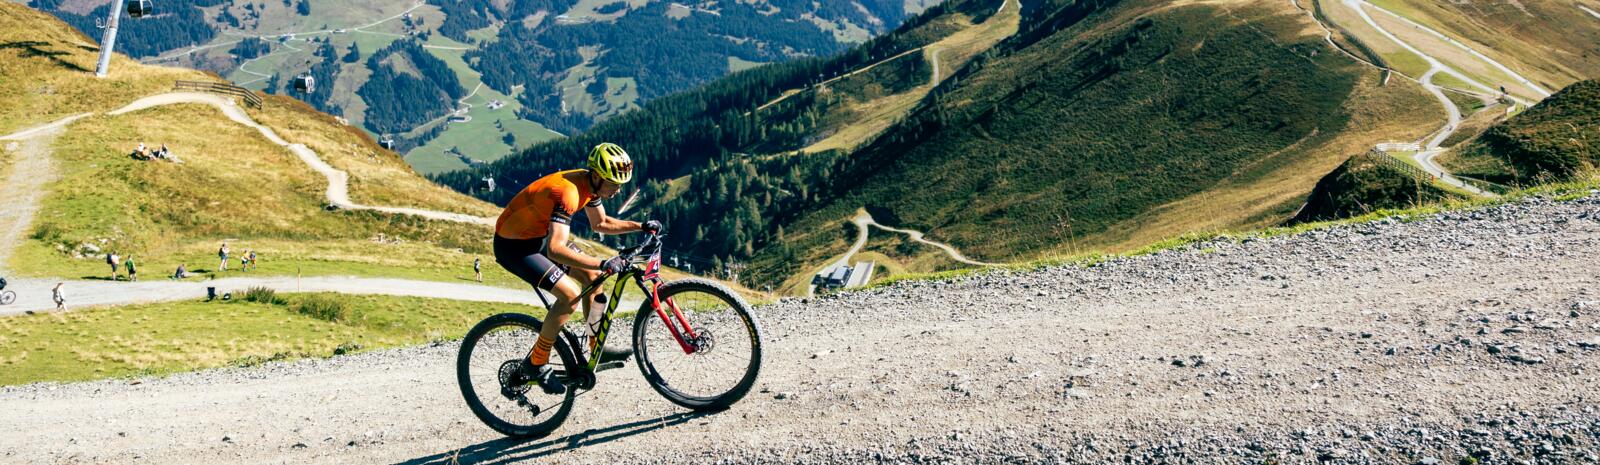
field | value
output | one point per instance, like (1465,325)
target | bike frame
(649,281)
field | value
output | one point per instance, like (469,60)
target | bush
(263,295)
(348,347)
(323,307)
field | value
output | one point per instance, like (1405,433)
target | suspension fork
(655,303)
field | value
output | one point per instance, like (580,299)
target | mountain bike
(705,366)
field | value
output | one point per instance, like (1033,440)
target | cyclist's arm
(560,233)
(600,223)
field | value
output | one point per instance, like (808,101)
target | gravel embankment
(1466,335)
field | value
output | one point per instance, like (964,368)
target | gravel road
(1468,334)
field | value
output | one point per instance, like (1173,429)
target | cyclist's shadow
(511,450)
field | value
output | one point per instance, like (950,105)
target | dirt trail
(1353,344)
(863,219)
(31,171)
(338,191)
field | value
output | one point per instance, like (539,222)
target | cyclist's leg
(593,305)
(523,259)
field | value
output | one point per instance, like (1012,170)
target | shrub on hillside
(323,307)
(263,295)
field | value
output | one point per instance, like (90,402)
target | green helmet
(611,163)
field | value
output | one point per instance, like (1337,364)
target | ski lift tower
(136,9)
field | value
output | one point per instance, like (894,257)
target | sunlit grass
(155,339)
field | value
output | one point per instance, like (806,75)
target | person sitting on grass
(183,271)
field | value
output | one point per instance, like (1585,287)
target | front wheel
(489,354)
(711,364)
(7,297)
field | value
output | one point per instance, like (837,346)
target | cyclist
(531,238)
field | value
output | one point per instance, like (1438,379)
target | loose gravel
(1463,337)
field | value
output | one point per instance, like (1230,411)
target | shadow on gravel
(512,450)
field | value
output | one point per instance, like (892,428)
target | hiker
(223,254)
(250,259)
(477,268)
(59,297)
(183,271)
(133,273)
(113,260)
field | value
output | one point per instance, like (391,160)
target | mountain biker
(531,241)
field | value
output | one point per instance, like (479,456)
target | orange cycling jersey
(551,199)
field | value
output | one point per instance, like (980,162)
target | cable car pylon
(136,9)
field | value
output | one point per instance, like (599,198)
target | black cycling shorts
(526,259)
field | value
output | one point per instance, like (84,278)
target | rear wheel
(725,346)
(489,354)
(7,297)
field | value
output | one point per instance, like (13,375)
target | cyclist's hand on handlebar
(650,227)
(614,265)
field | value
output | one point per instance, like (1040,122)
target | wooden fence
(249,96)
(1384,158)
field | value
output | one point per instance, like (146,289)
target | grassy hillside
(1552,141)
(1519,34)
(234,185)
(155,339)
(48,71)
(1096,116)
(377,176)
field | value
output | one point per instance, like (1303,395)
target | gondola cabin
(140,8)
(305,84)
(387,143)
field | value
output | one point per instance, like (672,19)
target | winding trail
(1431,148)
(935,59)
(1499,66)
(863,220)
(338,191)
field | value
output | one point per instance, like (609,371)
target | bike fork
(655,296)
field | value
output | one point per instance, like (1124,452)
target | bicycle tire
(653,376)
(464,366)
(7,297)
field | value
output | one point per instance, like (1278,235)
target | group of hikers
(247,262)
(144,153)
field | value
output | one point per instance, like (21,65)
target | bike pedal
(609,366)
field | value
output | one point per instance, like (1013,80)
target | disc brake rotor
(703,341)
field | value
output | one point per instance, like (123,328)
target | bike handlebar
(651,244)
